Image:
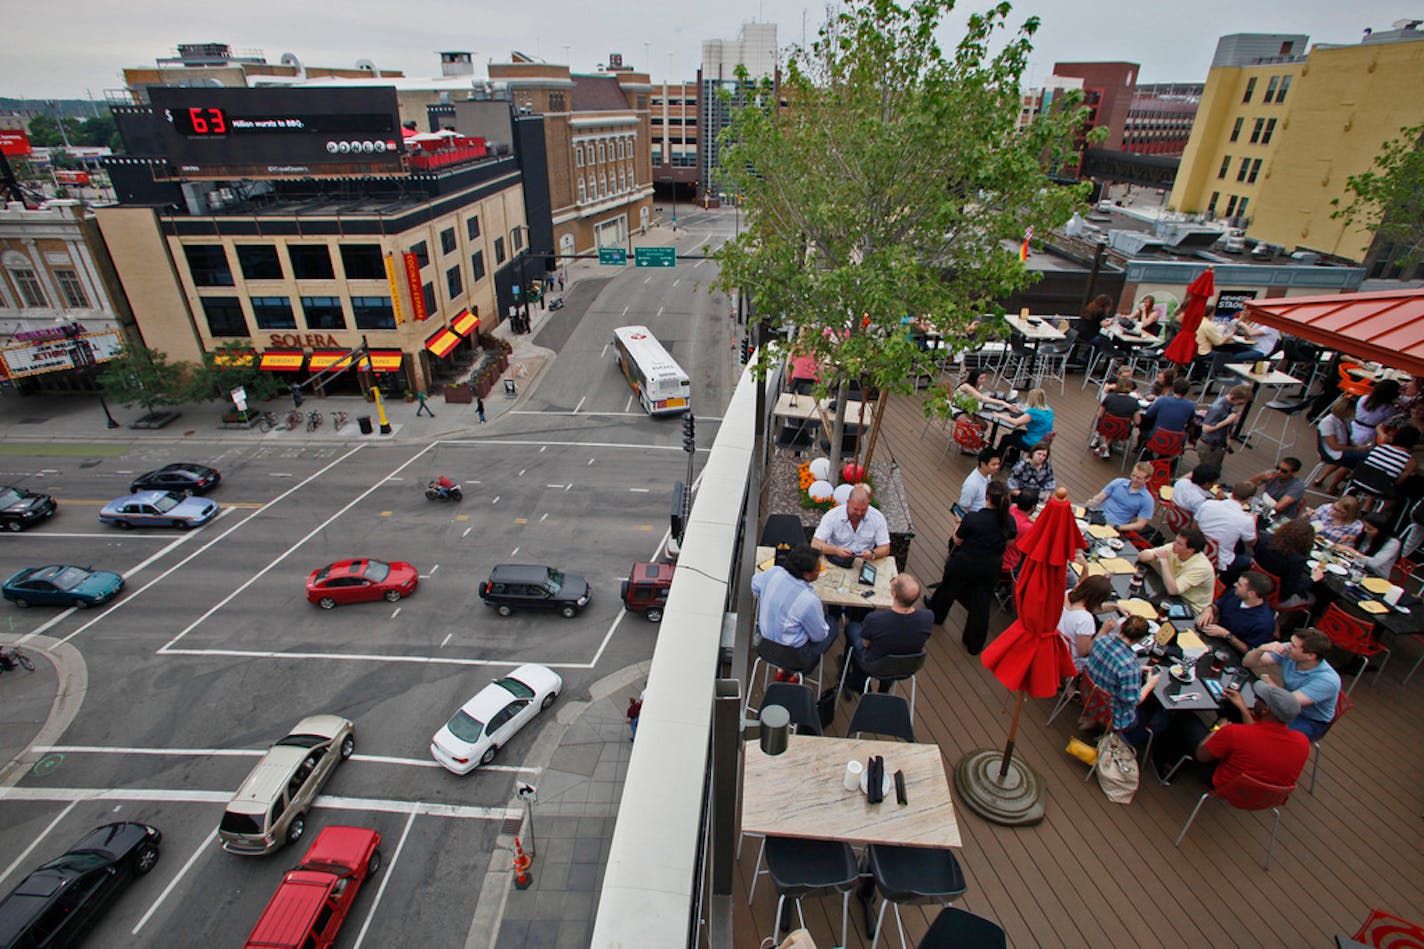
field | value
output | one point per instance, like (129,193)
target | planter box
(783,496)
(459,395)
(482,388)
(241,420)
(155,419)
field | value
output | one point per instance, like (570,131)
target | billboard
(279,132)
(51,355)
(14,143)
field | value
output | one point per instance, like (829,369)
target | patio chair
(892,669)
(1342,705)
(1383,930)
(800,867)
(907,876)
(1349,385)
(1246,793)
(1114,428)
(968,434)
(1163,444)
(1355,637)
(1177,517)
(882,714)
(957,927)
(1273,599)
(799,701)
(794,438)
(782,529)
(1163,470)
(777,656)
(1070,691)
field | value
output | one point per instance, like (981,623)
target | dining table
(790,405)
(1261,423)
(1361,596)
(842,586)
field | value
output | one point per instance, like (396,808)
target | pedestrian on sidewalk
(480,408)
(635,709)
(420,397)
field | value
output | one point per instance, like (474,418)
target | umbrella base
(1017,801)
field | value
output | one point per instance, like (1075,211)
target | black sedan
(20,508)
(59,902)
(179,476)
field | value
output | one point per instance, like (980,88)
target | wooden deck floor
(1100,874)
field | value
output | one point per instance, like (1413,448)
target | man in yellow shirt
(1185,570)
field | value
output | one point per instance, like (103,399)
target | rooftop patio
(1096,873)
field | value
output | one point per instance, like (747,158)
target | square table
(1277,380)
(841,586)
(1036,329)
(807,408)
(800,793)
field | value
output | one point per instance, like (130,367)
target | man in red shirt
(1262,748)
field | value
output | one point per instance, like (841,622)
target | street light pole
(108,416)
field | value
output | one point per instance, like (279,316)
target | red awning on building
(442,341)
(464,322)
(1386,327)
(283,360)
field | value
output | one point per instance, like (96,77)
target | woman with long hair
(1145,315)
(1285,552)
(1079,623)
(1376,550)
(1339,522)
(1037,422)
(1338,446)
(974,383)
(974,565)
(1373,408)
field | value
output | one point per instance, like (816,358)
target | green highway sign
(613,256)
(655,256)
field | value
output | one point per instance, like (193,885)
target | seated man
(1184,568)
(1191,490)
(1282,484)
(1241,617)
(853,529)
(1126,503)
(1300,666)
(971,493)
(1113,667)
(788,610)
(899,631)
(1171,413)
(1228,523)
(1264,340)
(1263,747)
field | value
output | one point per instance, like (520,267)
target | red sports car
(356,581)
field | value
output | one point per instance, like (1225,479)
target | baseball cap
(1282,702)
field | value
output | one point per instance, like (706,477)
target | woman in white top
(973,380)
(1078,625)
(1146,316)
(1337,444)
(1377,551)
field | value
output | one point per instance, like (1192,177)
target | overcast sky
(92,40)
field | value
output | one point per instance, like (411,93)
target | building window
(427,293)
(1241,208)
(447,241)
(620,149)
(454,283)
(71,290)
(472,227)
(601,154)
(1225,166)
(1236,129)
(208,265)
(556,102)
(1231,207)
(324,313)
(273,313)
(477,265)
(1241,172)
(311,261)
(583,191)
(31,293)
(1270,130)
(224,316)
(1271,89)
(1250,91)
(422,254)
(592,187)
(498,251)
(602,185)
(1211,205)
(1255,170)
(373,313)
(516,237)
(363,262)
(1256,130)
(259,262)
(1281,93)
(578,156)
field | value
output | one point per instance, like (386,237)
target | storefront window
(323,313)
(273,313)
(373,313)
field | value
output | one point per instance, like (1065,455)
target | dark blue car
(62,585)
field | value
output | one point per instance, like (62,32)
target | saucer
(888,783)
(1182,674)
(1336,569)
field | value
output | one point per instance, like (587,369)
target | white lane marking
(467,532)
(182,872)
(380,890)
(675,283)
(130,536)
(395,479)
(567,486)
(372,657)
(543,516)
(433,569)
(521,472)
(496,499)
(448,637)
(660,311)
(646,279)
(627,406)
(292,549)
(553,485)
(629,307)
(640,490)
(279,474)
(591,460)
(25,854)
(604,351)
(514,551)
(581,401)
(543,448)
(242,753)
(188,796)
(396,613)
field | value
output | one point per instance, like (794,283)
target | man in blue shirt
(1170,412)
(1126,503)
(1241,616)
(1301,667)
(788,610)
(971,493)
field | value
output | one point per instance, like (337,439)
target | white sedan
(487,722)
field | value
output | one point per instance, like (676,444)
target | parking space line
(25,854)
(129,536)
(381,890)
(241,753)
(182,872)
(188,796)
(372,657)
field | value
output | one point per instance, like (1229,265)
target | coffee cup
(852,775)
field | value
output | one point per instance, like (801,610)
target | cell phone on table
(1214,687)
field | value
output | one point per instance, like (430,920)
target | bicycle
(266,422)
(339,419)
(9,660)
(313,420)
(294,420)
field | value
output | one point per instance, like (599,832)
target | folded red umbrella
(1183,348)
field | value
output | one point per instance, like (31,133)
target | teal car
(62,585)
(158,509)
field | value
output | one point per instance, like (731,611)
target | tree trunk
(875,427)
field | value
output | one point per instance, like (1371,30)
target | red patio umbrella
(1183,348)
(1030,657)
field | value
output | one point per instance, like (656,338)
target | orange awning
(329,359)
(442,342)
(234,357)
(383,360)
(1386,327)
(282,360)
(463,322)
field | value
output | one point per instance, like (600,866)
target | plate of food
(1336,569)
(1181,673)
(1115,543)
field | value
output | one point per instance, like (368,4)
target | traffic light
(746,349)
(689,434)
(296,396)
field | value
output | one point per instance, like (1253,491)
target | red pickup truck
(309,907)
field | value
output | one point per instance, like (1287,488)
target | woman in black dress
(976,555)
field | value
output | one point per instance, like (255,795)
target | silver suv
(269,808)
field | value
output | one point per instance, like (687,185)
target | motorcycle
(443,489)
(557,303)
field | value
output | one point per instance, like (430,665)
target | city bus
(660,383)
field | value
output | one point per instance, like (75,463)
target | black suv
(60,901)
(20,508)
(527,586)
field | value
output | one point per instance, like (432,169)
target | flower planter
(459,395)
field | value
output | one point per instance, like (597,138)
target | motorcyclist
(443,485)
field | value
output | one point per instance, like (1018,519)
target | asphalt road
(211,652)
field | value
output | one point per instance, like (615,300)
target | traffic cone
(522,860)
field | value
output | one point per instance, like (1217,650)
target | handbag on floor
(1118,773)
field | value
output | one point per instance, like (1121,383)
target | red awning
(442,341)
(1386,327)
(283,360)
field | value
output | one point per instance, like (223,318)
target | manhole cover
(34,421)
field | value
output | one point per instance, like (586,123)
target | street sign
(239,398)
(613,256)
(656,256)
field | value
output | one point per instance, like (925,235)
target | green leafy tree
(96,132)
(1389,199)
(144,376)
(231,365)
(887,179)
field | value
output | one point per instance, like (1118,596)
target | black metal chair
(963,930)
(897,668)
(799,701)
(912,875)
(799,868)
(782,529)
(776,655)
(882,714)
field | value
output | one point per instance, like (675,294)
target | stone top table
(841,586)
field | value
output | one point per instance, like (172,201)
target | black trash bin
(363,422)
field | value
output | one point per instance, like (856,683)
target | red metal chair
(969,434)
(1217,587)
(1178,518)
(1350,385)
(1213,553)
(1273,600)
(1352,636)
(1245,793)
(1164,444)
(1387,931)
(1161,476)
(1113,428)
(1342,705)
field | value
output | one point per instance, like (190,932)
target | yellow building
(1276,137)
